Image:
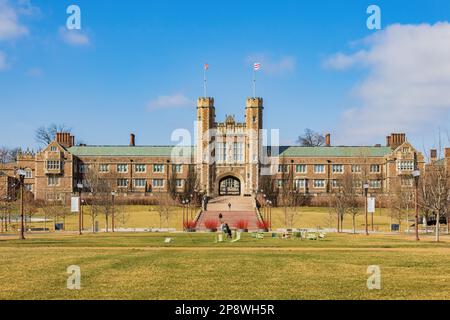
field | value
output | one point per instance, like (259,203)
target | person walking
(229,206)
(220,217)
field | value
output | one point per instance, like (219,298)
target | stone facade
(229,157)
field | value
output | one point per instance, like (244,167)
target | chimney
(433,155)
(447,153)
(328,140)
(65,139)
(388,141)
(397,139)
(132,140)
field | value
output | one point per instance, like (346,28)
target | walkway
(241,209)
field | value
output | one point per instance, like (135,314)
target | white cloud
(273,66)
(74,37)
(170,101)
(406,88)
(10,27)
(3,63)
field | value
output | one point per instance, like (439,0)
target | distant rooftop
(288,151)
(130,151)
(338,151)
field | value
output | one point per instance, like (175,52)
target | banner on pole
(371,205)
(74,204)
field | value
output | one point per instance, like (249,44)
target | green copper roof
(344,151)
(128,151)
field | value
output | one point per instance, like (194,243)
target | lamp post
(366,190)
(113,195)
(416,176)
(21,174)
(80,219)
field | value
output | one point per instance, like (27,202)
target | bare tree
(400,201)
(8,155)
(289,197)
(344,200)
(163,208)
(100,188)
(435,192)
(311,139)
(46,134)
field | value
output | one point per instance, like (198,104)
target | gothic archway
(229,186)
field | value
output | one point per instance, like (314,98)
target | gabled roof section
(130,151)
(338,151)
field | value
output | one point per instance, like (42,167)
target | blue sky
(137,66)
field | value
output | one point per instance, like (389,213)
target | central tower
(228,152)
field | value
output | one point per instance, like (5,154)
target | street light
(113,195)
(366,190)
(21,174)
(416,176)
(80,218)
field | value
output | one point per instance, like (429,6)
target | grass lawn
(313,217)
(141,266)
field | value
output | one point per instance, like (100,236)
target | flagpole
(254,83)
(204,82)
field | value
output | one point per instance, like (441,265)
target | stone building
(229,158)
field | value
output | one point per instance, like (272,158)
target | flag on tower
(206,66)
(256,66)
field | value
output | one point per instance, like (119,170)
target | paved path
(241,209)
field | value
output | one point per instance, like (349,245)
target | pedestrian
(229,206)
(220,217)
(228,231)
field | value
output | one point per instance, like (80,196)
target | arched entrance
(229,186)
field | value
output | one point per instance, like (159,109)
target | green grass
(141,266)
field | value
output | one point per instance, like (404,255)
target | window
(158,168)
(405,165)
(375,168)
(53,149)
(319,183)
(280,183)
(28,174)
(53,181)
(335,183)
(282,168)
(140,168)
(405,149)
(300,168)
(407,182)
(122,168)
(299,183)
(357,184)
(140,183)
(122,183)
(337,168)
(53,165)
(221,152)
(319,168)
(375,184)
(158,183)
(356,168)
(54,196)
(178,183)
(177,168)
(83,168)
(103,168)
(238,152)
(28,187)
